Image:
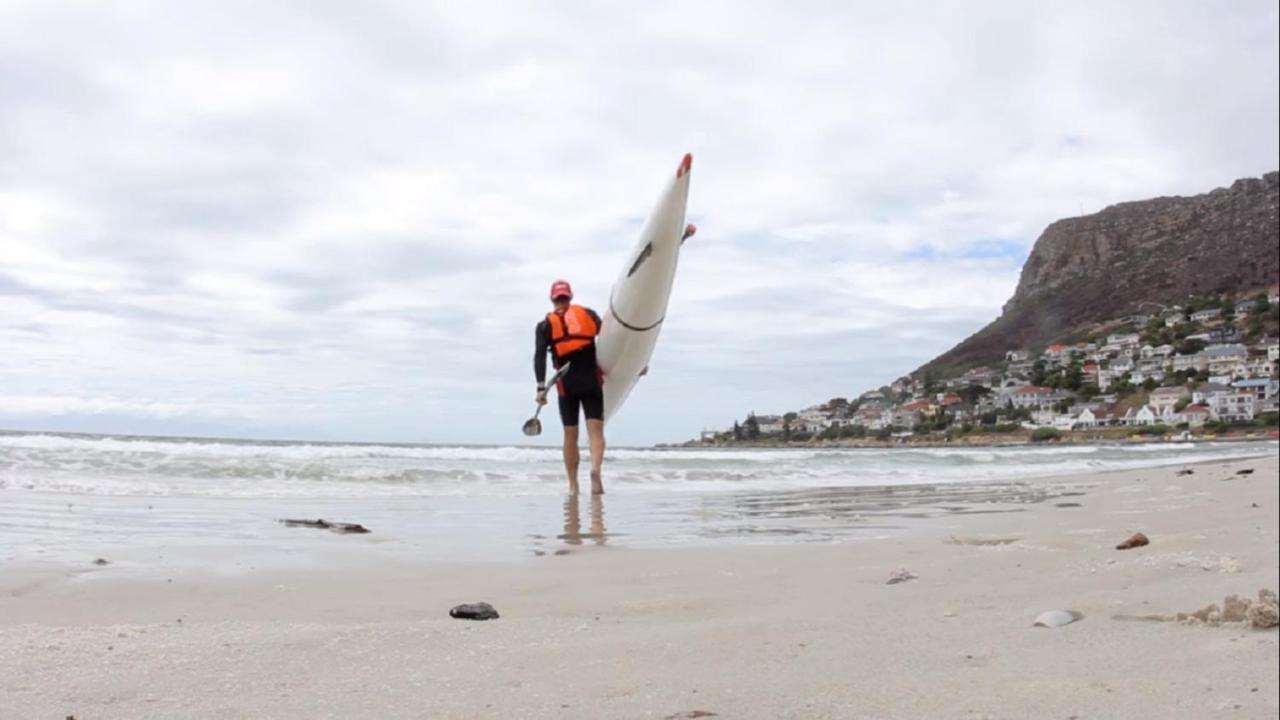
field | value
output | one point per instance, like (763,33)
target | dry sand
(788,631)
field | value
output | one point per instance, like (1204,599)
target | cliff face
(1101,266)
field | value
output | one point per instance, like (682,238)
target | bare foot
(597,487)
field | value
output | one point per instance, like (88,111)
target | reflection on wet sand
(828,513)
(573,521)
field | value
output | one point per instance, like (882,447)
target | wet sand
(605,630)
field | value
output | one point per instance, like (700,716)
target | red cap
(560,288)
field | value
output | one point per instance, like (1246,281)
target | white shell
(1057,618)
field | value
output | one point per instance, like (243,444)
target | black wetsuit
(581,383)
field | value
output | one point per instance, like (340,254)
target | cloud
(328,220)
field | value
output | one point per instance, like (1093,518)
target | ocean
(71,497)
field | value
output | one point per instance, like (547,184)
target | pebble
(474,611)
(1134,540)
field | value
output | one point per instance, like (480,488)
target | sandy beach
(803,630)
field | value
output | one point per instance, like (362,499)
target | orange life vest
(571,330)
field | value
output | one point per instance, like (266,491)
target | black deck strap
(628,325)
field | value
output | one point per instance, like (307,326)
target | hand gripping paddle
(533,426)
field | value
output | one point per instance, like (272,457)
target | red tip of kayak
(685,165)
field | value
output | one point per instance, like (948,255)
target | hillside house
(1244,307)
(1167,397)
(1232,406)
(1030,396)
(1204,316)
(1123,340)
(1260,388)
(1195,415)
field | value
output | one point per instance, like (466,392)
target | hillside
(1096,267)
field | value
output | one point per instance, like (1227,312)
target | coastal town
(1208,366)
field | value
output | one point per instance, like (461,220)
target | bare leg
(571,456)
(595,431)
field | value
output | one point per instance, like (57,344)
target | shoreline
(808,630)
(975,440)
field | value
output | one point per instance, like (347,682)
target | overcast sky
(338,220)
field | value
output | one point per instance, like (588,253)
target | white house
(1017,355)
(1091,418)
(1144,415)
(1124,339)
(1206,315)
(1030,396)
(1232,406)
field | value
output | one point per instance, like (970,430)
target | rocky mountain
(1130,256)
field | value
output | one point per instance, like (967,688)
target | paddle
(533,426)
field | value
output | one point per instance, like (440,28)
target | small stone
(562,552)
(1245,471)
(1134,540)
(102,561)
(1187,471)
(899,576)
(474,611)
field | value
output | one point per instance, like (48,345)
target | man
(569,333)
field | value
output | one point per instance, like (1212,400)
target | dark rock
(1134,540)
(1187,471)
(102,561)
(474,611)
(1067,505)
(1245,471)
(690,715)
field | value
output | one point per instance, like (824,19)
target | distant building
(1206,315)
(1123,339)
(1167,397)
(1195,415)
(1030,396)
(1232,406)
(1260,388)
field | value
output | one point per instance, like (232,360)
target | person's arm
(540,343)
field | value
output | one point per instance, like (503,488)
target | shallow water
(149,500)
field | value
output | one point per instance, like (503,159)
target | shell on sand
(1057,618)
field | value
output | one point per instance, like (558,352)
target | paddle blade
(532,427)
